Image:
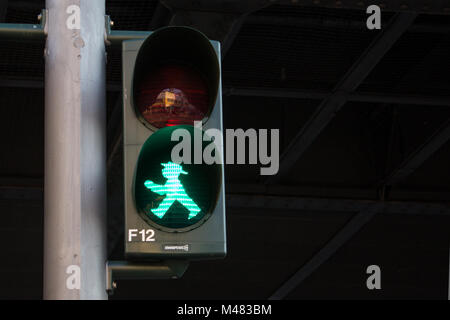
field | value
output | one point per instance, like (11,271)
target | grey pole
(75,151)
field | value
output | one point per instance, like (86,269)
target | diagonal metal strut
(345,234)
(331,105)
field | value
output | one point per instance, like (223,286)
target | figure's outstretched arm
(159,189)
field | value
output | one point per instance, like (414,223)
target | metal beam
(21,189)
(335,23)
(220,6)
(21,193)
(345,234)
(424,151)
(115,37)
(232,34)
(273,197)
(302,191)
(275,93)
(330,106)
(342,194)
(408,99)
(22,83)
(22,32)
(299,203)
(420,155)
(417,6)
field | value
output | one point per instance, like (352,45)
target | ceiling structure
(364,119)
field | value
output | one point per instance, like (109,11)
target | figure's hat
(174,166)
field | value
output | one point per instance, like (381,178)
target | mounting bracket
(131,270)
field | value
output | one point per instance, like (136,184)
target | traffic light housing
(172,210)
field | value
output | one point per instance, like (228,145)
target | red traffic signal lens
(172,94)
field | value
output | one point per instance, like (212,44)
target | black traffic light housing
(180,46)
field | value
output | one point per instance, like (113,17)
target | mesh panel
(21,132)
(21,60)
(307,12)
(312,58)
(417,63)
(131,15)
(24,11)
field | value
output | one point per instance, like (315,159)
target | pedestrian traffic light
(174,209)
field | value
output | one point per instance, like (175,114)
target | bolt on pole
(75,151)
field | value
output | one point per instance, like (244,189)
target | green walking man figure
(173,190)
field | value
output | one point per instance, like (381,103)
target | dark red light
(172,95)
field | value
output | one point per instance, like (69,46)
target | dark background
(367,183)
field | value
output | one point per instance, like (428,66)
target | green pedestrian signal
(174,197)
(173,190)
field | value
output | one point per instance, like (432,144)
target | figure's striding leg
(163,207)
(190,205)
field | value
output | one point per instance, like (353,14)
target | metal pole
(75,151)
